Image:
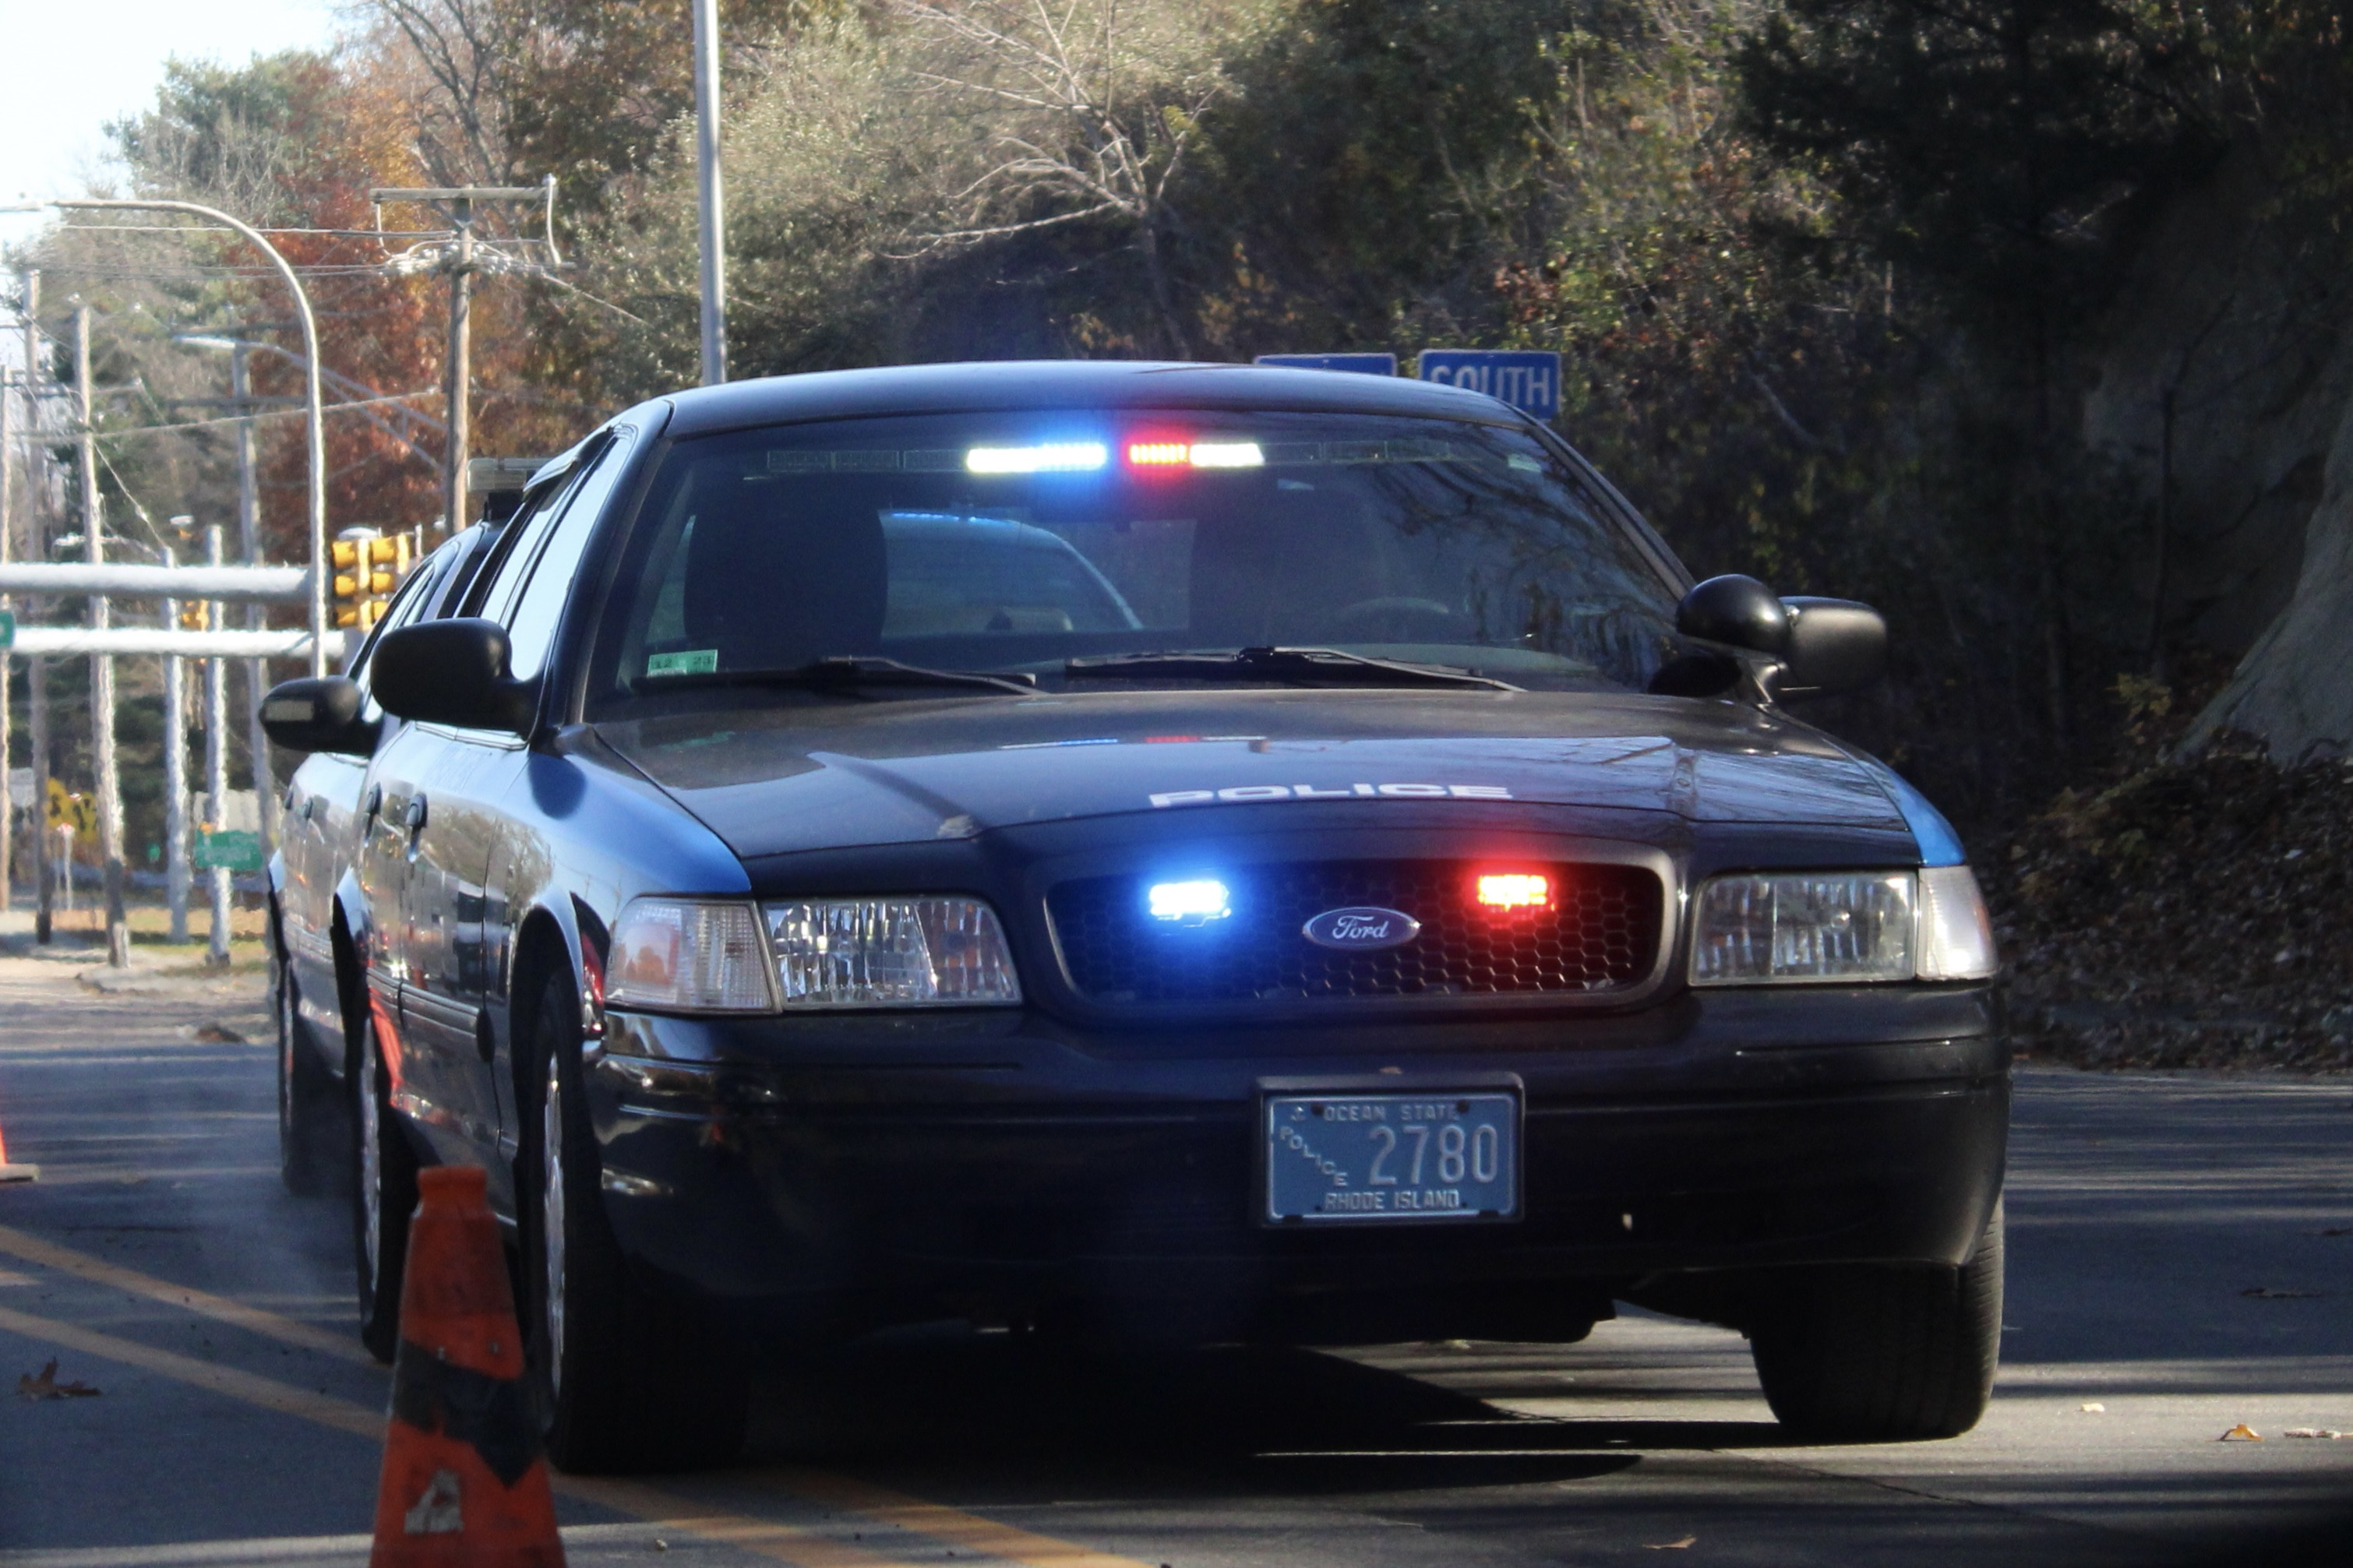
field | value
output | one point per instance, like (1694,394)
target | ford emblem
(1363,928)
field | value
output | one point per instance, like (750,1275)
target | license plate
(1367,1158)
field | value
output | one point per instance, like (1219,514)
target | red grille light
(1507,891)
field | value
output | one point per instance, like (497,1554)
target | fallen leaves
(1670,1545)
(2241,1433)
(46,1386)
(2312,1432)
(2094,1409)
(216,1035)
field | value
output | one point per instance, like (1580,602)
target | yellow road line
(941,1523)
(766,1538)
(844,1492)
(267,1392)
(220,1309)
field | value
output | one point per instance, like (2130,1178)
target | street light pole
(317,426)
(712,203)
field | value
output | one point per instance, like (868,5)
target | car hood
(839,774)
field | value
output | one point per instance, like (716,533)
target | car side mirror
(319,713)
(1835,646)
(452,672)
(1791,650)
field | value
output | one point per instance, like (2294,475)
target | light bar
(1516,891)
(1196,454)
(1190,904)
(1061,456)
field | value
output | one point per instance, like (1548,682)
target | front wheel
(383,1191)
(1883,1354)
(630,1379)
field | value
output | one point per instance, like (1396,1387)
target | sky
(76,65)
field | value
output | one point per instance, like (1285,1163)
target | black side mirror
(1835,646)
(319,714)
(452,672)
(1739,612)
(1791,648)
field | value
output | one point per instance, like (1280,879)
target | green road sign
(8,629)
(224,847)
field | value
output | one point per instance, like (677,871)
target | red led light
(1508,891)
(1160,454)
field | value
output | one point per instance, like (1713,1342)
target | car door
(529,600)
(317,835)
(422,846)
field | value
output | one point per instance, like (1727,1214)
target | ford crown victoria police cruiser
(1152,849)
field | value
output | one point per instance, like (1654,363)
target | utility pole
(458,399)
(175,772)
(216,763)
(249,540)
(457,203)
(101,666)
(7,528)
(36,670)
(711,201)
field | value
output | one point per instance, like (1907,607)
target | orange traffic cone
(9,1172)
(464,1482)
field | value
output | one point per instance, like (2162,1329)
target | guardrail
(248,584)
(162,641)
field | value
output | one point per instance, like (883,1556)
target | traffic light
(368,567)
(195,616)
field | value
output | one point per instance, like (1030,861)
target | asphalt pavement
(2181,1263)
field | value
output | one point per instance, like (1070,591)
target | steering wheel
(1396,617)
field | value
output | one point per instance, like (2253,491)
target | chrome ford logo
(1364,929)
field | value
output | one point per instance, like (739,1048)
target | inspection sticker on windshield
(1370,1157)
(1238,795)
(699,661)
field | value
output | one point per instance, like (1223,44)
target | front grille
(1600,935)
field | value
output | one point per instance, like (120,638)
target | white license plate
(1367,1158)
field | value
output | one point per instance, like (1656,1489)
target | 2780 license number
(1392,1156)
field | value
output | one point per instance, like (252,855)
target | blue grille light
(1190,904)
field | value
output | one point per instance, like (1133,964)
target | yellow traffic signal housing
(195,616)
(368,567)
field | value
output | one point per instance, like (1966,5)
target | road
(158,1261)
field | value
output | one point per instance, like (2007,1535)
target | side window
(494,579)
(411,597)
(531,622)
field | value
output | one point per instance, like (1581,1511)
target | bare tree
(1077,109)
(464,56)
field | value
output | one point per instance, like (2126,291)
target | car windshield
(1018,543)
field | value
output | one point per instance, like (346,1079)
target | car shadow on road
(1281,1420)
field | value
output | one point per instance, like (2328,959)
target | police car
(1154,850)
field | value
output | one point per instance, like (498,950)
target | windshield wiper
(841,672)
(1306,665)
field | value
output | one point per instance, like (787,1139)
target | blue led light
(1190,904)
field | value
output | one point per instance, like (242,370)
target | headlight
(891,952)
(680,955)
(1841,927)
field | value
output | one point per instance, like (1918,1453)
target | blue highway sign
(1368,364)
(1528,379)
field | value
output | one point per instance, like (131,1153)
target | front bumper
(886,1168)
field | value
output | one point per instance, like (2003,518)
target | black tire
(1883,1354)
(306,1113)
(629,1378)
(383,1192)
